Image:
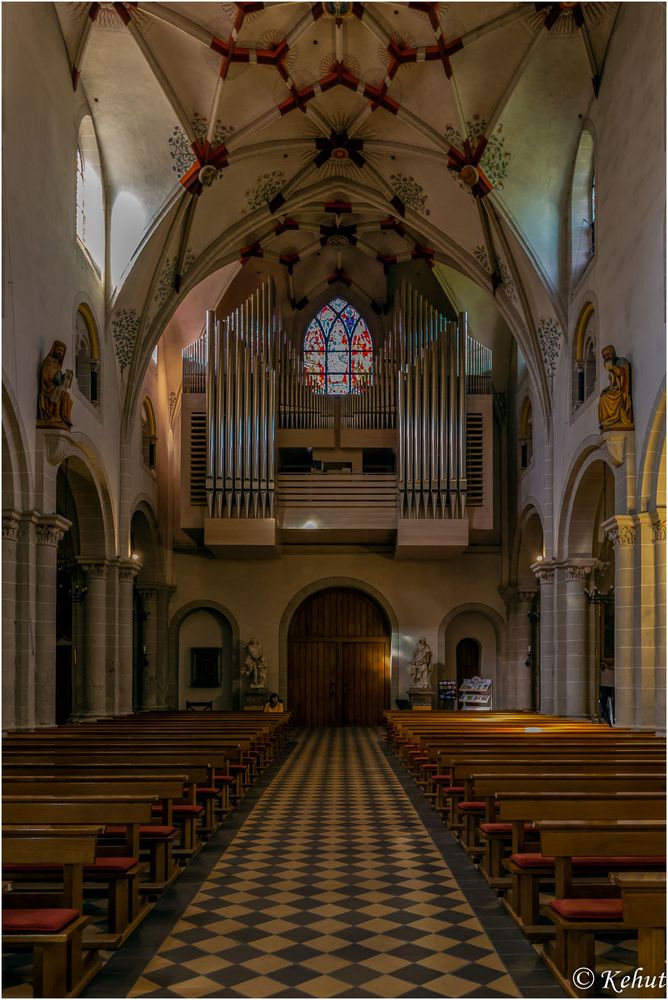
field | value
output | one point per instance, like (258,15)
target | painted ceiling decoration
(318,138)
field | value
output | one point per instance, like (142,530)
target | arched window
(148,434)
(338,350)
(87,356)
(584,357)
(90,197)
(583,206)
(526,434)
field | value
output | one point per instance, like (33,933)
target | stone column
(575,697)
(165,592)
(659,538)
(10,538)
(516,692)
(49,531)
(26,589)
(127,571)
(95,609)
(525,600)
(544,573)
(621,530)
(149,687)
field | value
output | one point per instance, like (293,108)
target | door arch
(338,660)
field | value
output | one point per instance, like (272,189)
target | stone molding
(10,525)
(615,443)
(526,596)
(148,593)
(544,572)
(50,529)
(620,529)
(578,572)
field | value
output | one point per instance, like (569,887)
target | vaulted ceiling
(333,142)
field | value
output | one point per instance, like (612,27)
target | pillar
(517,675)
(574,700)
(25,622)
(544,573)
(621,531)
(149,687)
(95,610)
(646,663)
(10,539)
(127,570)
(162,679)
(48,533)
(659,539)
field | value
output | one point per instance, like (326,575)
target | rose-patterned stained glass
(338,351)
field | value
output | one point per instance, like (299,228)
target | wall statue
(54,403)
(255,665)
(420,669)
(615,411)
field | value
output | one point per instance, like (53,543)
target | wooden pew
(578,920)
(518,811)
(533,871)
(62,967)
(118,874)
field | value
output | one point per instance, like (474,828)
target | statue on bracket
(420,669)
(54,403)
(615,412)
(255,665)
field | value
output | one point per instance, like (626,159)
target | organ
(250,404)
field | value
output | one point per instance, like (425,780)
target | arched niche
(204,624)
(476,622)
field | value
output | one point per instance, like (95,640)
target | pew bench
(117,874)
(62,966)
(577,920)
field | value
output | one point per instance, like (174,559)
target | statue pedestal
(255,698)
(421,697)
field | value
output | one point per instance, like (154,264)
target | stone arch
(144,541)
(323,584)
(529,544)
(173,645)
(17,475)
(652,478)
(587,456)
(92,507)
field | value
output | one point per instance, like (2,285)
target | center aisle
(332,887)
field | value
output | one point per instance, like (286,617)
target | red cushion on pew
(237,767)
(419,757)
(503,827)
(205,790)
(471,806)
(187,810)
(589,909)
(34,921)
(429,767)
(532,860)
(110,865)
(451,789)
(224,779)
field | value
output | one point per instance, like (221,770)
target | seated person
(274,704)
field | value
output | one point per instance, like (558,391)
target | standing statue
(255,664)
(421,664)
(615,411)
(54,403)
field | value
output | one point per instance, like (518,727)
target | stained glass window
(338,351)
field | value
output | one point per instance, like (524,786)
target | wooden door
(338,660)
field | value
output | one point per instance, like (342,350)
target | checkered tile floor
(332,888)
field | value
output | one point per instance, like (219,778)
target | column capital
(10,525)
(127,569)
(658,518)
(148,593)
(579,569)
(95,569)
(620,529)
(50,529)
(544,571)
(526,596)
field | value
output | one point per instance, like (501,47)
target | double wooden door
(338,660)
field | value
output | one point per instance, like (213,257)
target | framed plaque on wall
(205,666)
